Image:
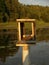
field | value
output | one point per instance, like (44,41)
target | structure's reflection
(25,55)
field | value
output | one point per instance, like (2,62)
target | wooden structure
(21,34)
(22,38)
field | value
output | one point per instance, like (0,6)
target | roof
(25,20)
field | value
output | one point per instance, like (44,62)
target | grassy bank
(41,24)
(42,31)
(8,25)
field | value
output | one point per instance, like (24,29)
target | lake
(12,55)
(38,54)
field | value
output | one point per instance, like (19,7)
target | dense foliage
(12,9)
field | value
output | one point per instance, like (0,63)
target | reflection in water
(6,36)
(42,34)
(26,59)
(39,53)
(7,48)
(5,52)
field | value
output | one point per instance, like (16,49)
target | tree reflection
(6,36)
(7,48)
(42,34)
(4,52)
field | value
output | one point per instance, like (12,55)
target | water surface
(39,53)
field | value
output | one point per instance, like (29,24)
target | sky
(35,2)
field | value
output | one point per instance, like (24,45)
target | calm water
(39,55)
(10,56)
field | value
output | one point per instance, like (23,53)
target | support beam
(32,29)
(19,31)
(21,45)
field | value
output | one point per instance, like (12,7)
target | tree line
(10,10)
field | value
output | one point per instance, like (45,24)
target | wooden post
(25,55)
(32,29)
(19,31)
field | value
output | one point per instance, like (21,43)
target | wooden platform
(25,43)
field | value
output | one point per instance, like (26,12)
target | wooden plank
(22,44)
(25,20)
(25,43)
(32,30)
